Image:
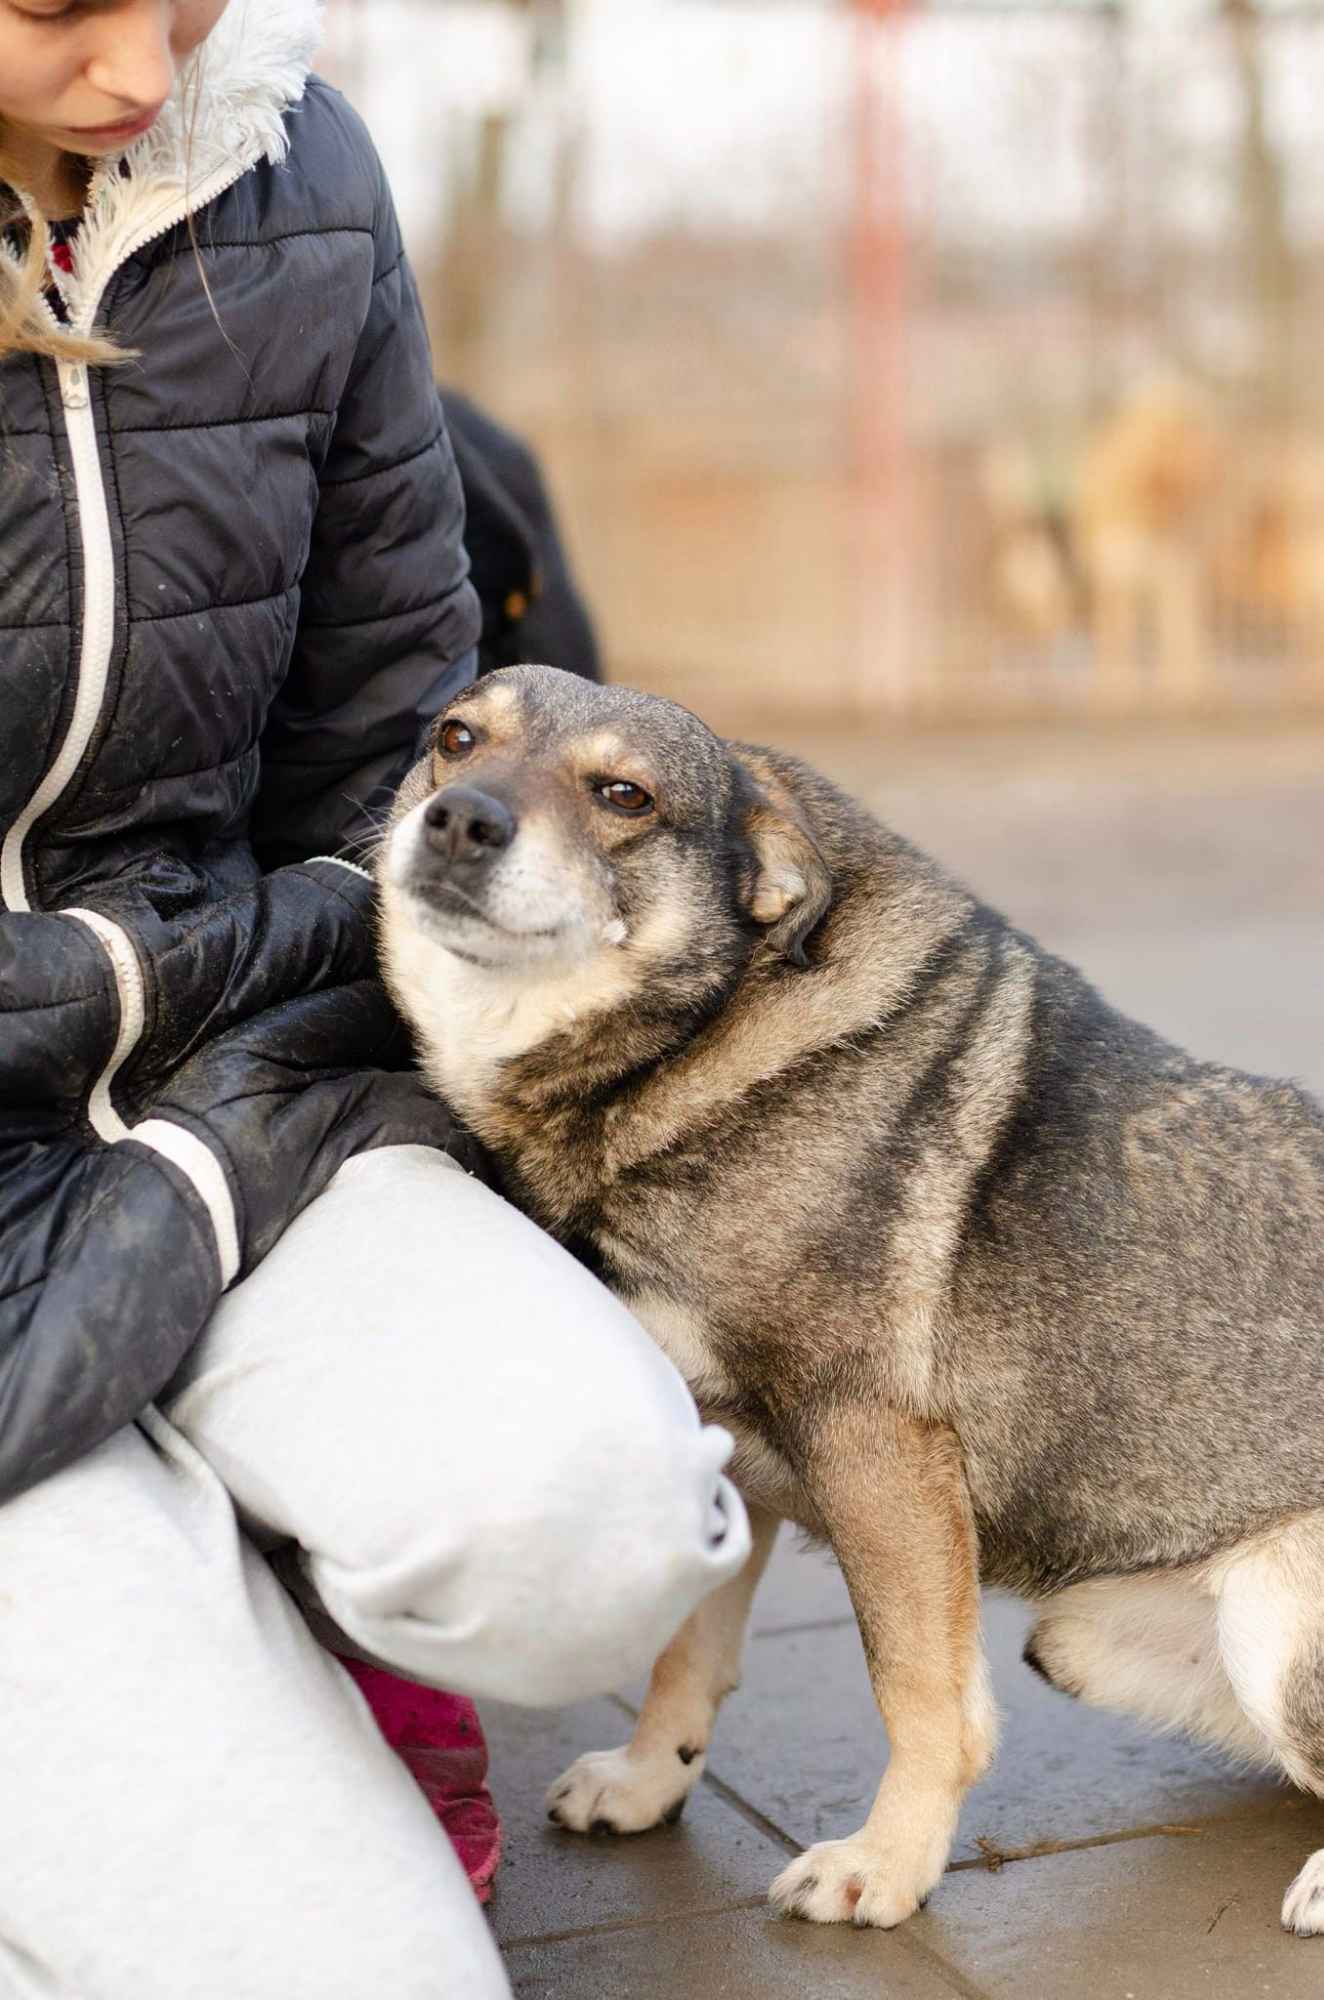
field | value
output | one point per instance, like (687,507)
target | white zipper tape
(94,533)
(98,626)
(197,1161)
(102,1115)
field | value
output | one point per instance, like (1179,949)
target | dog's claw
(799,1901)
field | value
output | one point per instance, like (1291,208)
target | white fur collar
(226,113)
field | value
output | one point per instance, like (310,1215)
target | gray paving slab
(1246,994)
(745,1955)
(803,1586)
(1161,1919)
(802,1741)
(1180,872)
(553,1881)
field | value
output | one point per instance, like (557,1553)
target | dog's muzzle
(465,829)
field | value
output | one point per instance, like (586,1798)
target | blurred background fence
(889,357)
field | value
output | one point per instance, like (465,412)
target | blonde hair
(24,327)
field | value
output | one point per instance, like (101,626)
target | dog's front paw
(1303,1905)
(617,1791)
(856,1881)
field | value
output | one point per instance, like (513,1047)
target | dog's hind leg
(1147,1646)
(891,1493)
(648,1781)
(1271,1633)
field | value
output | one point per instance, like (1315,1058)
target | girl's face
(90,76)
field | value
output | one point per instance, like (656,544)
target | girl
(250,1301)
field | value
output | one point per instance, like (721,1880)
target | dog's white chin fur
(473,1011)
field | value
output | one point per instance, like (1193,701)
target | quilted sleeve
(108,1273)
(107,1266)
(114,1253)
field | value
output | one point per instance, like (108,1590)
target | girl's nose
(133,62)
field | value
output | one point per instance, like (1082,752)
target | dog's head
(555,822)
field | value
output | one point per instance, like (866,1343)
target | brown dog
(983,1278)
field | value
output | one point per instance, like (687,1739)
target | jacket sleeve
(108,1269)
(389,622)
(108,1272)
(113,1254)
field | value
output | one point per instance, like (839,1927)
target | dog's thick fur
(986,1280)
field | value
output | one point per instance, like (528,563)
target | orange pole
(881,474)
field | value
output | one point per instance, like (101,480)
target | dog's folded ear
(788,886)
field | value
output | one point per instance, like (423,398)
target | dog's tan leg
(648,1781)
(892,1495)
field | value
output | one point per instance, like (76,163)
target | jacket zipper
(98,553)
(93,672)
(98,624)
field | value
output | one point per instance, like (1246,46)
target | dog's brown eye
(454,739)
(623,797)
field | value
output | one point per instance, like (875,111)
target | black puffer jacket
(232,592)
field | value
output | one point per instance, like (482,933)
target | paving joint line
(994,1859)
(613,1926)
(756,1819)
(910,1940)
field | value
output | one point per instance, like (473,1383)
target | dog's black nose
(467,825)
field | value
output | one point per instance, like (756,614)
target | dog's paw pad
(611,1792)
(848,1882)
(1303,1905)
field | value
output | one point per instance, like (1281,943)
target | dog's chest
(680,1333)
(757,1467)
